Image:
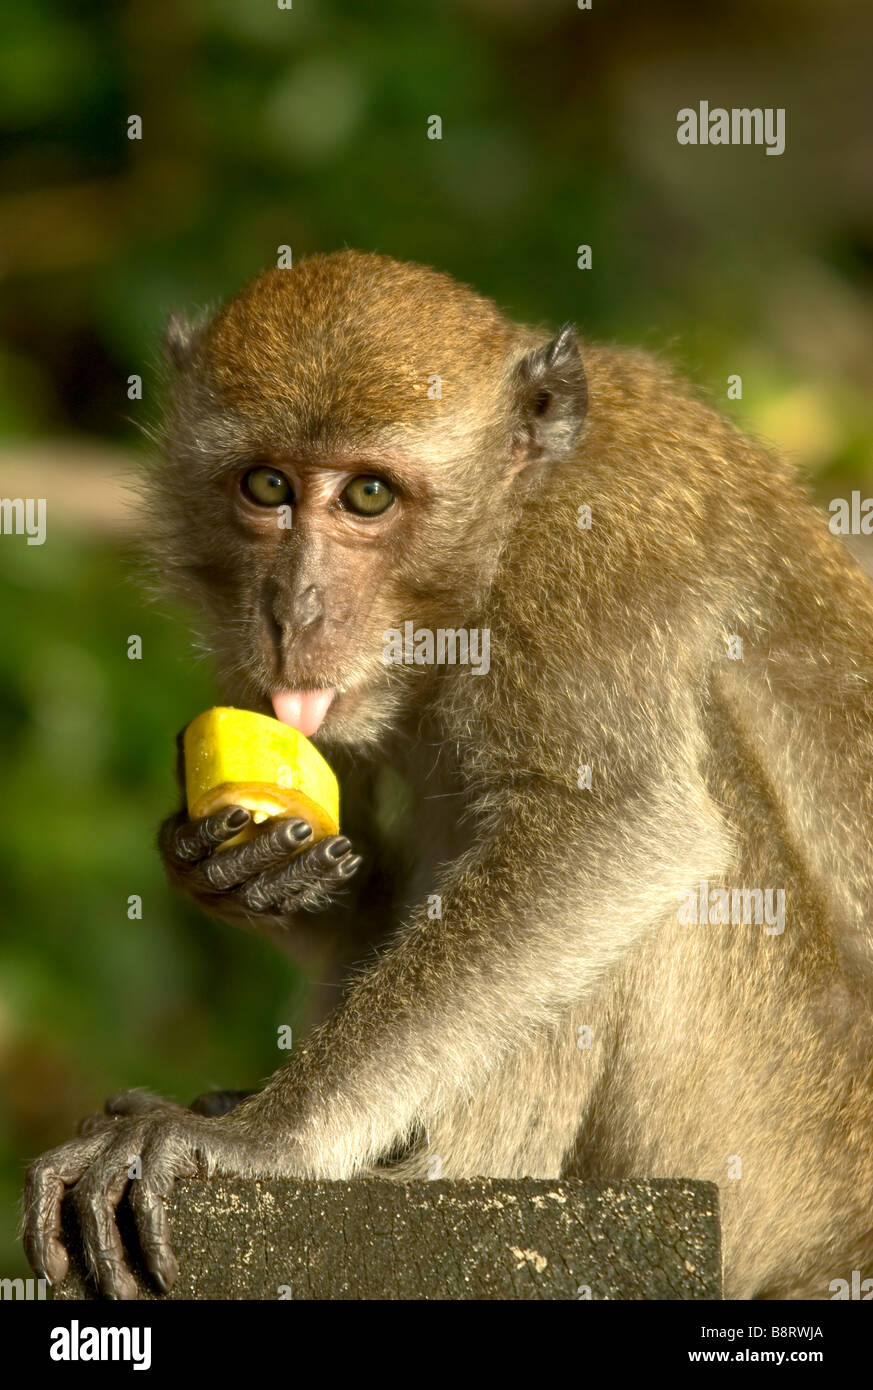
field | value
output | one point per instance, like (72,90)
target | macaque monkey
(626,926)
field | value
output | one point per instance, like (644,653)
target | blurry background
(308,127)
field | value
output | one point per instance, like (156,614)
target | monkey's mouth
(304,710)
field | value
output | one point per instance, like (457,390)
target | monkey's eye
(367,496)
(267,487)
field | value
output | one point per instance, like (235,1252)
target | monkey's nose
(308,607)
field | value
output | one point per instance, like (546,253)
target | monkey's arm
(526,928)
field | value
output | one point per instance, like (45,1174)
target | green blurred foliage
(307,126)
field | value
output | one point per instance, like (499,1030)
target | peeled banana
(236,758)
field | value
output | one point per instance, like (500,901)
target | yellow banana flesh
(236,758)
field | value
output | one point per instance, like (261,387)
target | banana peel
(236,758)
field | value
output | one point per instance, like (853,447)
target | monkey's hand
(272,875)
(140,1101)
(143,1153)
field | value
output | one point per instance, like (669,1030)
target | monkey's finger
(150,1214)
(186,842)
(270,890)
(137,1102)
(124,1103)
(216,1103)
(315,895)
(95,1123)
(269,849)
(44,1186)
(41,1232)
(326,862)
(95,1197)
(166,1156)
(330,858)
(148,1200)
(346,868)
(321,858)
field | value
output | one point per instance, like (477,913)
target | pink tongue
(302,709)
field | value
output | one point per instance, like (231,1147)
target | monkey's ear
(552,398)
(180,338)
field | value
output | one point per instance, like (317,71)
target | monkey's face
(306,560)
(328,555)
(342,450)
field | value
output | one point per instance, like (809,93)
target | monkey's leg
(744,1059)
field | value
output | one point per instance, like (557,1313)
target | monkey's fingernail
(166,1273)
(339,848)
(299,829)
(351,865)
(238,819)
(56,1263)
(124,1286)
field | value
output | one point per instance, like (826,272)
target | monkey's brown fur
(715,1050)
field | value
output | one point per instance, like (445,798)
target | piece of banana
(236,758)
